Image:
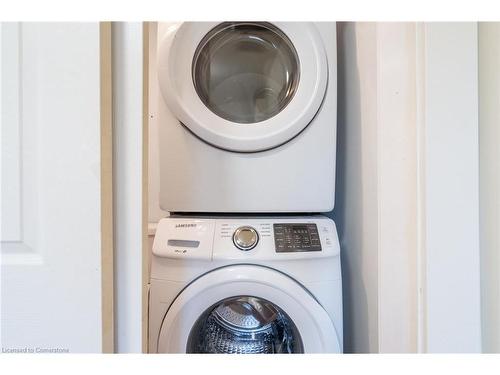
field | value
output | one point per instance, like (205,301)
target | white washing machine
(246,285)
(247,116)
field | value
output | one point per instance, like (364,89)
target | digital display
(289,238)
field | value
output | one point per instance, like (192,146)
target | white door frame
(428,188)
(407,208)
(489,116)
(449,161)
(129,186)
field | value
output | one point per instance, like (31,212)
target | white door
(262,312)
(50,197)
(243,86)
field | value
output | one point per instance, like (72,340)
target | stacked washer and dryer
(245,263)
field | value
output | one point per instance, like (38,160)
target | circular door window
(243,86)
(244,325)
(245,72)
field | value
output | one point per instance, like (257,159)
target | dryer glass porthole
(246,72)
(244,325)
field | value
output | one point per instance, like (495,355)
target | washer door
(246,309)
(243,86)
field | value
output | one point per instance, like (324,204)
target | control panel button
(245,238)
(296,237)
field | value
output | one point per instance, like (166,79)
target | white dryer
(246,285)
(247,116)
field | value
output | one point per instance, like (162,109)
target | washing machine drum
(243,86)
(246,309)
(244,325)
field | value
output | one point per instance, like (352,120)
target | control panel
(263,238)
(296,237)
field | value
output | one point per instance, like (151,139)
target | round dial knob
(245,238)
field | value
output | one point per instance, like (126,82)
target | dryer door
(246,309)
(243,86)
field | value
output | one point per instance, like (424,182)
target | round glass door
(245,72)
(244,325)
(243,86)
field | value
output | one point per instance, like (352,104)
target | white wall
(355,212)
(376,185)
(397,187)
(489,168)
(51,258)
(155,213)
